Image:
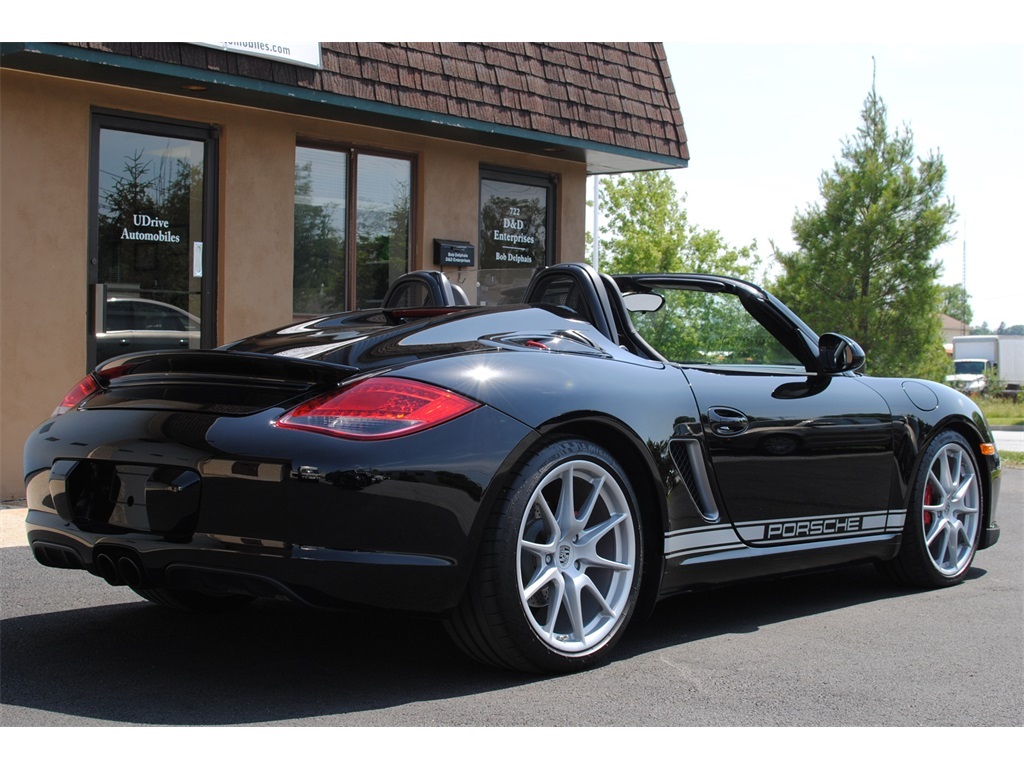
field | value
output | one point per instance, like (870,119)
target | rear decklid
(212,381)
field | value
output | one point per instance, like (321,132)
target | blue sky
(764,120)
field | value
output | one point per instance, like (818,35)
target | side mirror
(839,353)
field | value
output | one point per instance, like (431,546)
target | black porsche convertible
(535,474)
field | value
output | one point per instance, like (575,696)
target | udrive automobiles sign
(305,54)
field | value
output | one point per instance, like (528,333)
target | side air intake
(690,462)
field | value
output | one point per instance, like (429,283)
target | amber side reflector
(988,449)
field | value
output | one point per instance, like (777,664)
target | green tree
(956,302)
(864,261)
(132,193)
(646,230)
(182,206)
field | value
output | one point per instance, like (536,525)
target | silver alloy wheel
(576,557)
(951,510)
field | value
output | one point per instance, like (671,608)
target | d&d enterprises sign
(513,224)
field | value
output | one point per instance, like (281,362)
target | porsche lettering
(798,529)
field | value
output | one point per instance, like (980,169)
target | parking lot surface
(842,648)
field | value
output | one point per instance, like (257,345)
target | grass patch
(1001,412)
(1012,459)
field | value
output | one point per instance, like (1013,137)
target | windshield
(973,367)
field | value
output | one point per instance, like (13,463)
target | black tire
(551,592)
(192,601)
(944,519)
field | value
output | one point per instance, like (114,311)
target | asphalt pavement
(839,648)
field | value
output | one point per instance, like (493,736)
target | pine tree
(864,262)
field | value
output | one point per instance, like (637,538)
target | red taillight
(378,408)
(76,395)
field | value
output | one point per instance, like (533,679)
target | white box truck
(980,360)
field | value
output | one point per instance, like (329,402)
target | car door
(797,454)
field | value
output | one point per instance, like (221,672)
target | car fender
(923,409)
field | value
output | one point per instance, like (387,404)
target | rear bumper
(316,576)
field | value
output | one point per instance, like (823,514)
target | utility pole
(596,256)
(963,309)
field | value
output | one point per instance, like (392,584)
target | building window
(517,214)
(352,228)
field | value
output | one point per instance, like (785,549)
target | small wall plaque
(454,253)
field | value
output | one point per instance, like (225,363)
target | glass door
(151,265)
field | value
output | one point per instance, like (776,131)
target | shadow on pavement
(139,663)
(746,608)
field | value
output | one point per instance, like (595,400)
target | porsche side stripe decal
(724,536)
(700,540)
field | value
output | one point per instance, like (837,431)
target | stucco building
(186,194)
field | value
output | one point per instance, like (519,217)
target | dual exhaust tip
(120,570)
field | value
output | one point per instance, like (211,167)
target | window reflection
(336,268)
(382,226)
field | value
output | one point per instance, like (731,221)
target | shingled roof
(611,105)
(618,94)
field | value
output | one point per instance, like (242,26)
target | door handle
(727,422)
